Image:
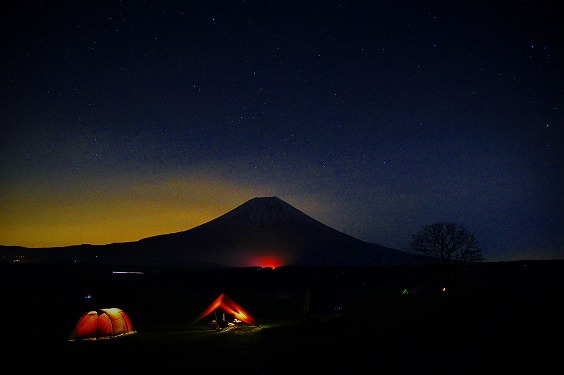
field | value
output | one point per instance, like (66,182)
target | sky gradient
(124,120)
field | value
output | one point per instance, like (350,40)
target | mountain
(264,231)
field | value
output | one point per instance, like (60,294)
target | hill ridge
(261,231)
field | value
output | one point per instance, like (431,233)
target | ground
(397,320)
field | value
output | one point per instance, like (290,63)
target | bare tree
(447,243)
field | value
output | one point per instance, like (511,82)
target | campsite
(397,319)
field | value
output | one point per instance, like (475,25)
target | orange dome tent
(102,324)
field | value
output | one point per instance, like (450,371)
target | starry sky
(122,120)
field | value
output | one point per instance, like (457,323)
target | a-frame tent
(225,303)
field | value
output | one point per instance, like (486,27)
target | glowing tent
(223,302)
(102,324)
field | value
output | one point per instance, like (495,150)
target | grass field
(495,317)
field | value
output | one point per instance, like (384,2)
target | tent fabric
(231,307)
(102,324)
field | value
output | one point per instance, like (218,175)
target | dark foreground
(492,317)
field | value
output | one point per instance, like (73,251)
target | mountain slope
(264,231)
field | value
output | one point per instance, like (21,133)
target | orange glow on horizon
(117,211)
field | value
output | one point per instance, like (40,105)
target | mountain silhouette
(264,231)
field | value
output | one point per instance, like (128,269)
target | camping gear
(102,324)
(225,303)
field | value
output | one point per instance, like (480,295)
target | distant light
(267,261)
(128,272)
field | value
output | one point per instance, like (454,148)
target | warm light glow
(268,261)
(230,307)
(102,324)
(258,258)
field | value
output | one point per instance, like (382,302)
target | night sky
(122,120)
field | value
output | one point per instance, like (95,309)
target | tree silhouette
(446,243)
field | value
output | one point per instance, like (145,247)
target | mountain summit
(264,231)
(265,213)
